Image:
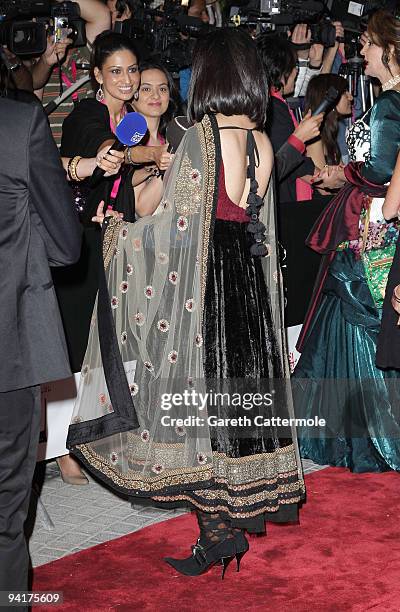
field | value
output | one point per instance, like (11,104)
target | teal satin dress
(336,377)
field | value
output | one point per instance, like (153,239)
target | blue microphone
(129,132)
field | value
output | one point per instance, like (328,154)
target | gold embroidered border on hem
(181,476)
(252,468)
(207,146)
(222,508)
(279,493)
(131,482)
(110,240)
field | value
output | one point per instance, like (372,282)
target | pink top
(117,182)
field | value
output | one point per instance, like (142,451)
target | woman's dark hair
(278,57)
(227,77)
(106,44)
(316,92)
(384,31)
(173,93)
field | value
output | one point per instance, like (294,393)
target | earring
(136,96)
(100,94)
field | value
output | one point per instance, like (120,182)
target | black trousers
(19,436)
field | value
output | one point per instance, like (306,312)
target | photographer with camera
(315,57)
(65,70)
(41,69)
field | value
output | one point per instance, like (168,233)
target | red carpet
(345,555)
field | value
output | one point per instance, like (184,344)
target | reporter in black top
(87,132)
(287,138)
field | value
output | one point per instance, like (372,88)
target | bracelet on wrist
(315,67)
(15,66)
(130,160)
(72,166)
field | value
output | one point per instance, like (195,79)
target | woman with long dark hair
(336,376)
(325,150)
(195,301)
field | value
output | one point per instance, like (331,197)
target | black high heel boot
(216,544)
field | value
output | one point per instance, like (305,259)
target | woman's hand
(161,157)
(99,217)
(55,52)
(110,161)
(330,177)
(301,35)
(309,127)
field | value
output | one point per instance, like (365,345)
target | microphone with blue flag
(129,132)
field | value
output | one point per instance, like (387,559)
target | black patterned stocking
(213,528)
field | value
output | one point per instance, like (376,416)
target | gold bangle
(72,165)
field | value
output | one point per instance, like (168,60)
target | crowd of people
(176,282)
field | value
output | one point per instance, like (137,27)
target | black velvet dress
(240,345)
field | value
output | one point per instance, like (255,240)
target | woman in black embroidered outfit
(194,296)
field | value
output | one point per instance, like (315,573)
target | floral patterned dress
(336,377)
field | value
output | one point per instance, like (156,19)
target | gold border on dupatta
(110,239)
(207,145)
(130,480)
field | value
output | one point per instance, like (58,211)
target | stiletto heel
(239,558)
(241,545)
(225,562)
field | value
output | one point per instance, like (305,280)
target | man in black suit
(39,228)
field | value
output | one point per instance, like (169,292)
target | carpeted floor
(344,556)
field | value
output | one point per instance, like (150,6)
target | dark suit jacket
(38,228)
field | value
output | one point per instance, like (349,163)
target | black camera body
(167,35)
(26,37)
(66,23)
(283,15)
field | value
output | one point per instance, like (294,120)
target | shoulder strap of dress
(252,150)
(254,202)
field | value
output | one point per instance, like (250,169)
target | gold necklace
(391,83)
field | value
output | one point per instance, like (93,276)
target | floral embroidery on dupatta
(188,192)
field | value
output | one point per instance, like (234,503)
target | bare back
(233,146)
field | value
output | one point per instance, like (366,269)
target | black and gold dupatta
(156,275)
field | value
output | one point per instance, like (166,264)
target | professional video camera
(25,24)
(168,34)
(282,15)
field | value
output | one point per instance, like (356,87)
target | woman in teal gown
(336,377)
